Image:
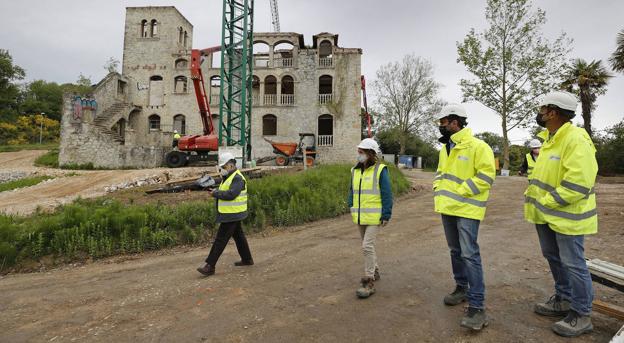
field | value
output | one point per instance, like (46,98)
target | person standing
(231,203)
(530,158)
(465,174)
(561,202)
(176,138)
(370,201)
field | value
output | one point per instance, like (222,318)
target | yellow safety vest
(561,192)
(530,164)
(238,204)
(366,208)
(176,136)
(463,180)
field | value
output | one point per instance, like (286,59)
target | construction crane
(275,16)
(366,114)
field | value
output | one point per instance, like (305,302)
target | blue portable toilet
(407,160)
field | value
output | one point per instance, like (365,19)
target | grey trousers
(369,236)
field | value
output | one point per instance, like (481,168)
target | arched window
(269,125)
(180,35)
(325,130)
(325,84)
(154,122)
(153,28)
(181,63)
(180,84)
(179,123)
(270,90)
(325,49)
(288,85)
(283,54)
(215,89)
(261,54)
(156,91)
(144,28)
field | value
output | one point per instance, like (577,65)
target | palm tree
(588,81)
(617,59)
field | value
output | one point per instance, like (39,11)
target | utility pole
(41,127)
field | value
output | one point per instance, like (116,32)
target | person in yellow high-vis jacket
(561,202)
(529,159)
(370,201)
(231,203)
(466,171)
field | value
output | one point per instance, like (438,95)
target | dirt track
(302,286)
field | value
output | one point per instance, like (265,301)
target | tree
(407,98)
(588,81)
(9,92)
(83,81)
(389,142)
(111,65)
(617,59)
(494,140)
(43,97)
(610,150)
(512,62)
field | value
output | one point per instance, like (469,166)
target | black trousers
(227,230)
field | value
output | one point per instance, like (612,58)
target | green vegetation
(44,146)
(49,159)
(104,227)
(21,183)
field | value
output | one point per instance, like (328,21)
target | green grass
(49,159)
(21,183)
(104,227)
(44,146)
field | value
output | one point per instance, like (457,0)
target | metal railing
(270,99)
(325,62)
(325,140)
(287,99)
(283,62)
(325,98)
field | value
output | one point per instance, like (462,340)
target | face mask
(444,131)
(540,120)
(362,158)
(223,172)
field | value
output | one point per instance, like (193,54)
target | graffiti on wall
(80,104)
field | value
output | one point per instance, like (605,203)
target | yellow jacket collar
(461,136)
(560,132)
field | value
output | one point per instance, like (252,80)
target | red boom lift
(197,147)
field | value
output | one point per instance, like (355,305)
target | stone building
(297,88)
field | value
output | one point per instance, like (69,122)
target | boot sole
(568,334)
(550,314)
(363,296)
(204,274)
(478,328)
(454,303)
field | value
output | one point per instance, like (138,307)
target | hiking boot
(457,297)
(377,276)
(554,307)
(244,263)
(207,270)
(573,325)
(367,288)
(475,319)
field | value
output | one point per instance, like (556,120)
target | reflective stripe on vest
(238,204)
(367,207)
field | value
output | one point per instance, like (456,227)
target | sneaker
(206,270)
(457,297)
(554,307)
(475,319)
(573,325)
(367,288)
(244,263)
(377,276)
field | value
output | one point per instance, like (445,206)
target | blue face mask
(362,158)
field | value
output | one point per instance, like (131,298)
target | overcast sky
(57,40)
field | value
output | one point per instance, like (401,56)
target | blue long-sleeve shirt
(386,195)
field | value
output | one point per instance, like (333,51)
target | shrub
(49,159)
(21,183)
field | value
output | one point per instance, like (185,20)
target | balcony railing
(283,62)
(261,61)
(287,99)
(325,62)
(325,140)
(270,99)
(325,98)
(255,98)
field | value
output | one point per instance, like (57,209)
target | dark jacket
(386,194)
(236,187)
(524,168)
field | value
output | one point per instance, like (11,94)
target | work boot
(457,297)
(474,319)
(244,263)
(554,307)
(377,276)
(367,288)
(573,325)
(207,270)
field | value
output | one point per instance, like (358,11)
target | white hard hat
(452,108)
(369,144)
(175,131)
(535,143)
(225,158)
(561,99)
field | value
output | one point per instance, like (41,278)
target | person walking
(231,203)
(466,171)
(529,159)
(370,201)
(176,138)
(561,202)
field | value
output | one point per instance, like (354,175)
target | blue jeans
(461,237)
(565,255)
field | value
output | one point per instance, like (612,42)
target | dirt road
(302,286)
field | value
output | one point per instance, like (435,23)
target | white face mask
(362,158)
(223,172)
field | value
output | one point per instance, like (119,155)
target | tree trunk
(402,143)
(505,145)
(586,107)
